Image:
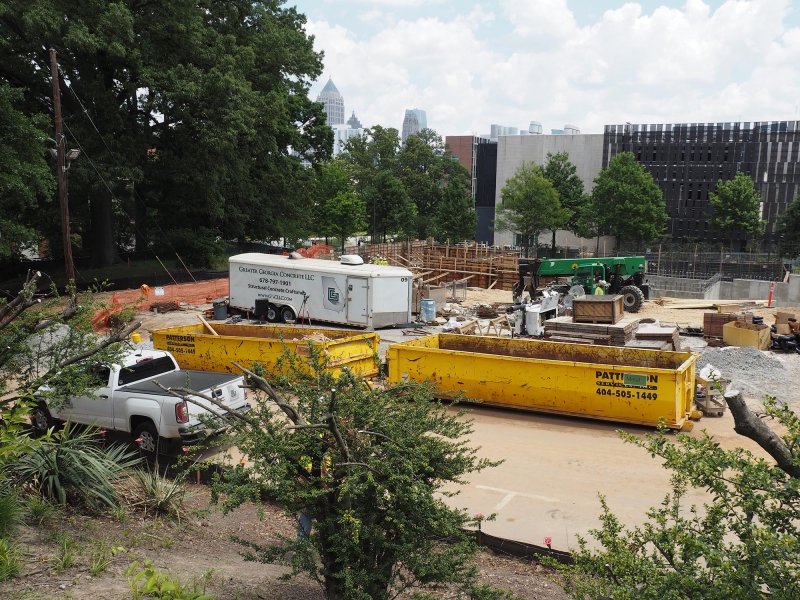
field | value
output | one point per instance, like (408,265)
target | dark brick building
(687,160)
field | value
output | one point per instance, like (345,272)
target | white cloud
(687,64)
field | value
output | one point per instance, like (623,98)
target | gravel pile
(754,372)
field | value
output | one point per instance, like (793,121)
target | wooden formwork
(438,263)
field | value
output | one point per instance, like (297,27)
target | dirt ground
(199,552)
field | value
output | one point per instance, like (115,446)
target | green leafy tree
(345,214)
(389,208)
(370,467)
(789,230)
(563,175)
(529,206)
(26,183)
(455,219)
(196,115)
(744,543)
(737,207)
(329,180)
(626,202)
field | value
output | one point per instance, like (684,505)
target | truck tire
(632,298)
(41,419)
(146,431)
(287,314)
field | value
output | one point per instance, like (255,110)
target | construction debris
(601,334)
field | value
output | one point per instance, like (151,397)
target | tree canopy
(789,230)
(559,171)
(626,202)
(196,116)
(26,182)
(737,207)
(530,205)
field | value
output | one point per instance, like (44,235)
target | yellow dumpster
(599,382)
(195,347)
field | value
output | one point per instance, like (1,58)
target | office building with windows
(687,160)
(414,121)
(333,102)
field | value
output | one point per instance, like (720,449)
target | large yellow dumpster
(599,382)
(195,347)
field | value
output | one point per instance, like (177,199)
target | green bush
(160,494)
(71,466)
(147,582)
(11,512)
(10,562)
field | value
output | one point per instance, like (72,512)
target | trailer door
(357,300)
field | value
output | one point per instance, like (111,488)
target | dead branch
(25,294)
(186,394)
(263,385)
(111,339)
(749,425)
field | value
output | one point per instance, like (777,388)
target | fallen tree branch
(750,426)
(263,385)
(186,394)
(112,339)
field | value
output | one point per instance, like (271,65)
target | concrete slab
(740,289)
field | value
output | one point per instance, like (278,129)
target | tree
(455,219)
(529,206)
(559,171)
(389,208)
(737,207)
(345,213)
(743,544)
(423,174)
(26,182)
(368,465)
(789,230)
(626,202)
(196,115)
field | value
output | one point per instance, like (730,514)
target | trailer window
(146,370)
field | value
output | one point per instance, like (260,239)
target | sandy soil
(198,551)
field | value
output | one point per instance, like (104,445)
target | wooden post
(721,251)
(694,262)
(658,264)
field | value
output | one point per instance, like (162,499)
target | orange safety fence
(202,292)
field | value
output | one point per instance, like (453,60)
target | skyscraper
(333,102)
(414,121)
(353,122)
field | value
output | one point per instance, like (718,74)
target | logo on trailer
(333,296)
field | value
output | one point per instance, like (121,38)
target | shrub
(72,466)
(11,511)
(9,560)
(163,495)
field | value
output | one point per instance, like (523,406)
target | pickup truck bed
(196,380)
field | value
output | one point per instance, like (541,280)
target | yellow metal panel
(601,382)
(195,348)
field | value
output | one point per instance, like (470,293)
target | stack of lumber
(566,330)
(714,322)
(666,338)
(681,303)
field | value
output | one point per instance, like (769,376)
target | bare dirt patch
(200,551)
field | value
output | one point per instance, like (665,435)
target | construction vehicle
(613,275)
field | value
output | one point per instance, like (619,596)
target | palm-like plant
(72,466)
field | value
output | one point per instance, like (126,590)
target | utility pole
(62,171)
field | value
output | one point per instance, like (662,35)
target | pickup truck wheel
(149,436)
(287,314)
(42,419)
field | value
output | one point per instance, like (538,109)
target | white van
(289,288)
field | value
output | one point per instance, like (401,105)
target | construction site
(554,369)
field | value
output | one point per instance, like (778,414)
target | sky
(587,63)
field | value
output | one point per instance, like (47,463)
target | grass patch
(10,561)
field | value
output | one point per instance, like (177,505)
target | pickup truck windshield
(145,370)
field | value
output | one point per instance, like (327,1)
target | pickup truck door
(93,409)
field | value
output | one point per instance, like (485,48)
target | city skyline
(584,62)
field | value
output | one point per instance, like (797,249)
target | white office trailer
(288,288)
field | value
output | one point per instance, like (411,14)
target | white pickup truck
(132,402)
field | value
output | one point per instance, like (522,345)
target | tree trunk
(554,242)
(749,425)
(104,248)
(140,219)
